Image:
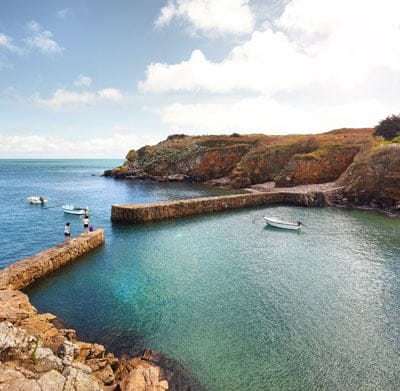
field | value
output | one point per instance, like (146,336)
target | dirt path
(269,187)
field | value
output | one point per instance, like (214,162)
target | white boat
(282,224)
(36,200)
(75,210)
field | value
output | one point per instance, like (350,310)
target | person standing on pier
(86,223)
(67,232)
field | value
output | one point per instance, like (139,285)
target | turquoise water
(242,306)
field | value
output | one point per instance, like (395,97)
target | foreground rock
(35,355)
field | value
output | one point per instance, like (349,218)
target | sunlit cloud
(115,144)
(313,42)
(83,81)
(76,100)
(265,115)
(42,40)
(209,16)
(6,42)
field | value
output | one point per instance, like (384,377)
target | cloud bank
(313,49)
(209,16)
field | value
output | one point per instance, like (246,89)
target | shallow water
(242,306)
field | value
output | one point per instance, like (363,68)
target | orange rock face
(244,160)
(373,179)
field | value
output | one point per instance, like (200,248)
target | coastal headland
(37,355)
(365,168)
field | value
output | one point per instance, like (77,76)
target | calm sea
(243,307)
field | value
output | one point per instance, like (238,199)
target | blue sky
(95,78)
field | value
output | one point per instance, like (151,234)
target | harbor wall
(23,273)
(138,213)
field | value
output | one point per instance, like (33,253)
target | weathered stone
(13,380)
(67,352)
(51,380)
(15,305)
(144,379)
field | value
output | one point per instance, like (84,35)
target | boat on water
(36,200)
(273,222)
(75,210)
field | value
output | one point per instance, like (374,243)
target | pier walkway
(263,194)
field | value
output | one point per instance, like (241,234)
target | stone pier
(314,195)
(21,274)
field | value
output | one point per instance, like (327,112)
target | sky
(96,78)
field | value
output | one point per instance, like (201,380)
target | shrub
(388,128)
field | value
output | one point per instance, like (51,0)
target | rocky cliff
(243,160)
(373,179)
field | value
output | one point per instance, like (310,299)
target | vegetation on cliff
(388,128)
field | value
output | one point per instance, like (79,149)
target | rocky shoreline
(36,353)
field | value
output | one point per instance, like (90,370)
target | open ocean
(241,306)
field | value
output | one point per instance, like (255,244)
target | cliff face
(240,161)
(373,179)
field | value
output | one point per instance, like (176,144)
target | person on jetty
(67,232)
(86,223)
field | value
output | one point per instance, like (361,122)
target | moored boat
(75,210)
(36,200)
(282,224)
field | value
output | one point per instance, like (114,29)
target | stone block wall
(23,273)
(137,213)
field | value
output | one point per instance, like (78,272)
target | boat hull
(282,224)
(70,209)
(36,200)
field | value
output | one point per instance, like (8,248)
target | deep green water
(242,306)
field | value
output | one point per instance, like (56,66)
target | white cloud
(110,94)
(42,40)
(210,16)
(75,100)
(265,115)
(266,63)
(83,81)
(6,42)
(313,42)
(115,145)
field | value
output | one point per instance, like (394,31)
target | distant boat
(75,210)
(36,200)
(282,224)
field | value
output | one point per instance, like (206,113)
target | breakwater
(137,213)
(23,273)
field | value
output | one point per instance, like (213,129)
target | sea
(238,305)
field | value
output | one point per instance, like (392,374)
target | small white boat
(282,224)
(36,200)
(75,210)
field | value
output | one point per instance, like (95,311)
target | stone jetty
(36,354)
(262,195)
